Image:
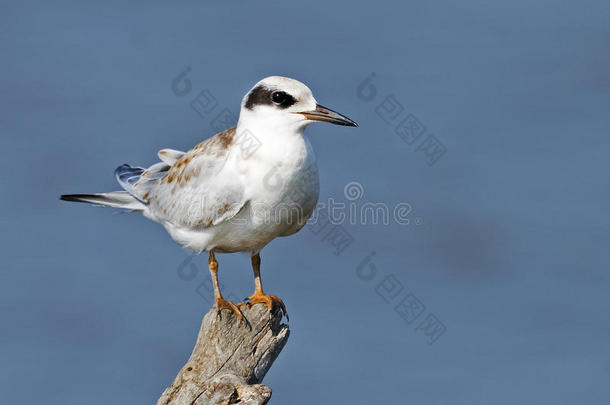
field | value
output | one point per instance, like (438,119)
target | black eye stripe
(278,97)
(261,95)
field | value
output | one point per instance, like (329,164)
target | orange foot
(269,300)
(220,304)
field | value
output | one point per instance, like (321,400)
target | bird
(237,190)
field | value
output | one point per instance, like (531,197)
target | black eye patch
(261,95)
(279,97)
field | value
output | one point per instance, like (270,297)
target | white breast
(281,186)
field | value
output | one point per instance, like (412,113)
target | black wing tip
(74,197)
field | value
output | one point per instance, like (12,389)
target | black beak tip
(347,122)
(324,114)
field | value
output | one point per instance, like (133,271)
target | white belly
(282,190)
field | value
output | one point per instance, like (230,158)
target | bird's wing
(170,156)
(197,189)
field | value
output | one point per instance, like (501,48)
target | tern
(238,190)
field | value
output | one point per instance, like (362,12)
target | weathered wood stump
(230,359)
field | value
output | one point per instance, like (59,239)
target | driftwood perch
(230,359)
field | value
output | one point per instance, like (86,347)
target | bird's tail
(115,199)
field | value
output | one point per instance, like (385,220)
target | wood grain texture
(230,359)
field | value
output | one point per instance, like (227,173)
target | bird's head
(281,102)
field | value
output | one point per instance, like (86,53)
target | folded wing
(196,190)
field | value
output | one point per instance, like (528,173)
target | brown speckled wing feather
(190,192)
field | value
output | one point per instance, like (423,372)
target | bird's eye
(279,97)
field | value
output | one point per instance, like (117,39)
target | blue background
(509,252)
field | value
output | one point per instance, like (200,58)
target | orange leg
(220,302)
(259,296)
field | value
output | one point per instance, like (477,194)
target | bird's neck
(270,131)
(275,141)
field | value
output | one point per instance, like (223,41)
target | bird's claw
(269,300)
(221,304)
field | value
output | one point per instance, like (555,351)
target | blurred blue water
(510,255)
